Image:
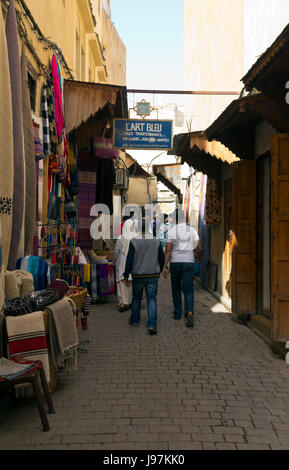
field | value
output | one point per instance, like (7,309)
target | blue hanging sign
(142,134)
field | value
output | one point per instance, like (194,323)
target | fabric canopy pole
(18,148)
(30,167)
(6,146)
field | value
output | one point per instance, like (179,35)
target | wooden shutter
(280,236)
(244,238)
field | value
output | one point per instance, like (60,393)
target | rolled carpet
(30,166)
(18,145)
(6,146)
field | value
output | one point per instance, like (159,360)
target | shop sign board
(142,134)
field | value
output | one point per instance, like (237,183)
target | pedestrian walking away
(182,245)
(124,287)
(145,262)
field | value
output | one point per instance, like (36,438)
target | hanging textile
(213,203)
(30,169)
(38,148)
(51,118)
(6,146)
(45,121)
(37,267)
(186,202)
(19,168)
(59,122)
(86,202)
(105,180)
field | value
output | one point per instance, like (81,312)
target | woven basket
(79,297)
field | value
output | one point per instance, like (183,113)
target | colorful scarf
(38,149)
(59,122)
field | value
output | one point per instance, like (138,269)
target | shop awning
(272,61)
(135,169)
(270,73)
(207,157)
(235,127)
(82,100)
(171,176)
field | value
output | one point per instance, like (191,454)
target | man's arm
(129,262)
(161,257)
(198,251)
(168,255)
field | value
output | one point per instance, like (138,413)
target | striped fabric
(27,338)
(52,128)
(86,181)
(45,122)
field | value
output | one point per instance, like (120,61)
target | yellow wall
(115,52)
(81,29)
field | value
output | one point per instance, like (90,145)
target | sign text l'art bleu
(142,134)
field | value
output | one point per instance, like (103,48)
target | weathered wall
(115,52)
(213,56)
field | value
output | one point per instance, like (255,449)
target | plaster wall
(115,52)
(213,56)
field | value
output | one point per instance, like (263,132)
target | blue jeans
(151,288)
(182,279)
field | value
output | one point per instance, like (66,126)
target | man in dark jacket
(145,262)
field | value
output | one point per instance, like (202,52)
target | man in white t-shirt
(182,244)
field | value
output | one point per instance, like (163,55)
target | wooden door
(228,238)
(244,270)
(280,236)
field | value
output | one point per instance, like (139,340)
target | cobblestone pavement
(217,386)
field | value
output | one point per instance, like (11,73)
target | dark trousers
(182,279)
(151,288)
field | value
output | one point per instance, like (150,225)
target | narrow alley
(214,387)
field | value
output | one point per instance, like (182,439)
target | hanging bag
(102,147)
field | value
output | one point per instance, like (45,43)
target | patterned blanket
(87,181)
(27,337)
